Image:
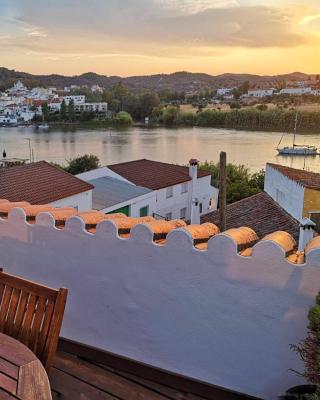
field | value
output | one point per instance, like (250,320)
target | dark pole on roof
(223,191)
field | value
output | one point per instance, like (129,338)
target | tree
(146,103)
(170,115)
(45,111)
(71,110)
(240,182)
(83,163)
(63,110)
(123,118)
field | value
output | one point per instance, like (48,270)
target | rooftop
(110,191)
(258,212)
(267,221)
(39,183)
(154,175)
(305,178)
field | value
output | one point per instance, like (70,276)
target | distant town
(22,104)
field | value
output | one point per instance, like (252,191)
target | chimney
(193,168)
(306,233)
(194,206)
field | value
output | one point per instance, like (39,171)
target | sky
(140,37)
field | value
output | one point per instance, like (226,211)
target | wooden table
(22,375)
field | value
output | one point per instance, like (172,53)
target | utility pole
(30,153)
(222,191)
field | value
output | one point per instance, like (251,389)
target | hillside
(178,81)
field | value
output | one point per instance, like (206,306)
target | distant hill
(178,81)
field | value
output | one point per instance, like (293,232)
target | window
(184,187)
(144,211)
(183,213)
(169,192)
(200,208)
(168,216)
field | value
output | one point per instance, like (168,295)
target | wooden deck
(86,373)
(73,378)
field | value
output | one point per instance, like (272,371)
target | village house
(296,91)
(174,191)
(260,92)
(47,184)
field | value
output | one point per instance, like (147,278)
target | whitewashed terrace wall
(211,315)
(292,192)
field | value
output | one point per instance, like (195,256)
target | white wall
(81,201)
(289,194)
(203,191)
(212,315)
(148,199)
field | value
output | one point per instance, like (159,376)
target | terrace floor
(82,372)
(73,378)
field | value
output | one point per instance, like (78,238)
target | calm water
(253,149)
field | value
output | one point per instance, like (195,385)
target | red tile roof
(305,178)
(258,212)
(154,175)
(39,183)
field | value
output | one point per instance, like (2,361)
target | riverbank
(247,119)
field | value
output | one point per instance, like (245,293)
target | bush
(81,164)
(235,106)
(187,118)
(123,118)
(171,116)
(309,348)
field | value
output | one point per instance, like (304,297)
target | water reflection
(173,145)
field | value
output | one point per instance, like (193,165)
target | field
(314,107)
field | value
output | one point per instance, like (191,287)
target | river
(251,148)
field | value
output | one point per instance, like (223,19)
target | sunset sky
(136,37)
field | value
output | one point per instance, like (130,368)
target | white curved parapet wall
(211,315)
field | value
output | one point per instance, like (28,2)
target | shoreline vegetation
(169,109)
(250,119)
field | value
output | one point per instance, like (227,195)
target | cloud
(176,28)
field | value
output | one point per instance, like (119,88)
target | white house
(96,89)
(224,91)
(296,191)
(55,104)
(77,99)
(260,92)
(178,192)
(47,184)
(100,107)
(296,91)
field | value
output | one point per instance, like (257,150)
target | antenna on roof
(4,154)
(223,191)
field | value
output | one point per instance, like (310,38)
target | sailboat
(297,149)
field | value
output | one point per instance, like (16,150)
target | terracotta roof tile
(39,183)
(305,178)
(260,213)
(244,236)
(154,175)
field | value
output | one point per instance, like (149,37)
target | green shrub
(123,118)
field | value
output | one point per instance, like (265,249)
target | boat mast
(295,129)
